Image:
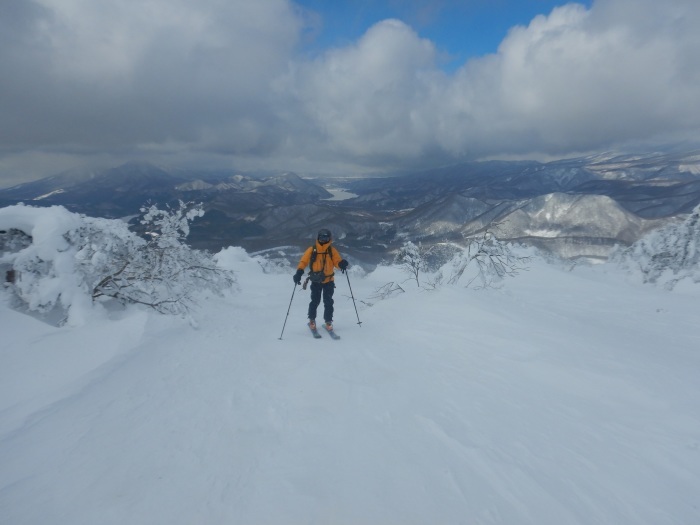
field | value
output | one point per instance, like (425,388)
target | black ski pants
(326,290)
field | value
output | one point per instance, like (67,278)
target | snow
(51,193)
(562,397)
(690,168)
(46,225)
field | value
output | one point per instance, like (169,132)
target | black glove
(343,265)
(297,276)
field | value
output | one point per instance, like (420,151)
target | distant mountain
(575,225)
(43,188)
(574,207)
(232,201)
(659,166)
(114,192)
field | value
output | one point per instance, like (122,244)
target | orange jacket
(327,259)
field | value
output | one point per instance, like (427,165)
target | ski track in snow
(562,398)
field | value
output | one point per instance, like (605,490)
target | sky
(459,29)
(340,88)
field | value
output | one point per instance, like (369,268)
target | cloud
(91,74)
(212,81)
(580,79)
(362,101)
(571,81)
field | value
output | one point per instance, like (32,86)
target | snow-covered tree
(162,272)
(13,240)
(74,259)
(666,256)
(483,258)
(412,259)
(486,260)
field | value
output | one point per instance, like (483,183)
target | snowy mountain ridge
(625,196)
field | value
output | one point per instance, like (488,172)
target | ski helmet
(324,235)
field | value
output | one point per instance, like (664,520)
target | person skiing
(322,259)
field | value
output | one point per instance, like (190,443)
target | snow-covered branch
(412,259)
(666,256)
(72,256)
(489,259)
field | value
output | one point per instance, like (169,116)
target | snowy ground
(562,398)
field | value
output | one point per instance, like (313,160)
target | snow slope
(561,398)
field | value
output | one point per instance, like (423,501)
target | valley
(573,208)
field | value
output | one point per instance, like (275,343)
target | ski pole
(290,307)
(353,299)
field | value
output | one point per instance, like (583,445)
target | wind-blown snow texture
(560,398)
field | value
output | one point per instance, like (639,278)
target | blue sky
(461,29)
(341,87)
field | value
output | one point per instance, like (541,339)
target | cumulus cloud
(580,79)
(573,80)
(363,100)
(211,81)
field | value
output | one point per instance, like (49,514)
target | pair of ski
(316,335)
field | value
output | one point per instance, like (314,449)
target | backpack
(319,277)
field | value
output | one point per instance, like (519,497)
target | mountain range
(573,208)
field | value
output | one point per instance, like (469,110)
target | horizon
(342,88)
(267,173)
(262,173)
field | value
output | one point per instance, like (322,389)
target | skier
(322,258)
